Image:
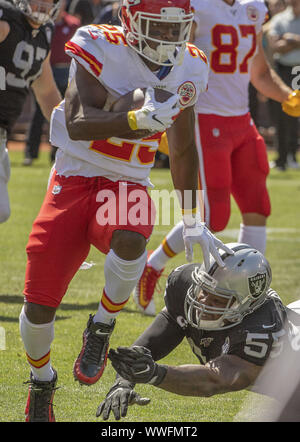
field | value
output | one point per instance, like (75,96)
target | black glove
(118,398)
(137,365)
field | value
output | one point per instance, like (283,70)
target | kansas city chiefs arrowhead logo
(187,92)
(257,284)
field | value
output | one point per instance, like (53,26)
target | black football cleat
(39,406)
(90,364)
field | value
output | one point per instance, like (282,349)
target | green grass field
(76,403)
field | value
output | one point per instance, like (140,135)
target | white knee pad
(122,276)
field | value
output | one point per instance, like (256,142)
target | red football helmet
(139,15)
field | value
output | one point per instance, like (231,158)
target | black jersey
(255,339)
(21,56)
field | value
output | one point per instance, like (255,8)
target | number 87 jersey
(228,34)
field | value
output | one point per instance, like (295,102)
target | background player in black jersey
(26,30)
(232,319)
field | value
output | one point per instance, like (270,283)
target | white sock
(37,339)
(170,246)
(255,236)
(121,277)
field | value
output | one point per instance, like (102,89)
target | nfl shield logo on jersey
(206,342)
(133,2)
(257,284)
(56,189)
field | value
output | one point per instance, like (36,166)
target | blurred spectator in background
(65,27)
(85,10)
(109,14)
(284,40)
(262,108)
(274,7)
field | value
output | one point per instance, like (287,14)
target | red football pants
(78,212)
(233,161)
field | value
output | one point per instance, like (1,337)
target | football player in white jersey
(232,154)
(101,171)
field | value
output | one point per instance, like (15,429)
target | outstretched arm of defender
(221,375)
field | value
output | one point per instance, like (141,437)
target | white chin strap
(161,54)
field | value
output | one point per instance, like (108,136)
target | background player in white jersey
(101,155)
(232,154)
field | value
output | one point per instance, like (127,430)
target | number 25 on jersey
(226,40)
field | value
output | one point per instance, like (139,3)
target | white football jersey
(228,36)
(102,50)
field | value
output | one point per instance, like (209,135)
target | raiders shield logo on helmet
(257,284)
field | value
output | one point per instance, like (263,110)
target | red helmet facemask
(140,17)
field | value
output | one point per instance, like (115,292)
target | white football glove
(155,116)
(195,232)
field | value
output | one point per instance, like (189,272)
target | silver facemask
(43,12)
(243,282)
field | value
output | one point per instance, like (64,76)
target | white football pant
(4,178)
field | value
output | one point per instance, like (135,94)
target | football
(134,100)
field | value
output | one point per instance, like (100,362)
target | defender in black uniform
(26,30)
(232,319)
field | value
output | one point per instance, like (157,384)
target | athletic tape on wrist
(131,117)
(160,375)
(189,211)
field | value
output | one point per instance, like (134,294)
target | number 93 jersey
(228,36)
(21,56)
(103,51)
